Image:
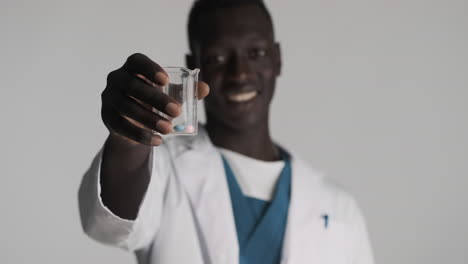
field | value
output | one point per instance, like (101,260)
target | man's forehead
(248,20)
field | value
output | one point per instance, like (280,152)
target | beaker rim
(180,69)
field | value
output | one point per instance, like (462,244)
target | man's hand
(129,97)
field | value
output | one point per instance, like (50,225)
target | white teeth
(242,97)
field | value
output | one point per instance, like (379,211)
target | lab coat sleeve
(103,225)
(361,244)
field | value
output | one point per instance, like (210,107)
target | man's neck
(254,142)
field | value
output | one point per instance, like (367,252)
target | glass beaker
(182,87)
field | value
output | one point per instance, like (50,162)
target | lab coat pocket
(321,242)
(334,244)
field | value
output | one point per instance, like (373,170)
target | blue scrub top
(260,224)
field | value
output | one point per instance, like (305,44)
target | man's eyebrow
(213,46)
(220,43)
(258,37)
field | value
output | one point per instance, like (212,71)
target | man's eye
(216,59)
(257,53)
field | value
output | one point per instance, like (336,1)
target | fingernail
(172,109)
(156,141)
(162,78)
(163,126)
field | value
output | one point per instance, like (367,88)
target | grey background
(372,92)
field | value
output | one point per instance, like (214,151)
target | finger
(129,107)
(135,87)
(120,125)
(127,140)
(203,90)
(141,64)
(148,81)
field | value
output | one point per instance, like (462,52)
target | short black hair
(200,7)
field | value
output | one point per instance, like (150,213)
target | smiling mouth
(242,97)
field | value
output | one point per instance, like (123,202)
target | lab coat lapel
(305,226)
(200,167)
(201,170)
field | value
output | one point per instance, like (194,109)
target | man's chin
(244,124)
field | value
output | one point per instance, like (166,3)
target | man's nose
(239,69)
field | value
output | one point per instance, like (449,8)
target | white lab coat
(186,214)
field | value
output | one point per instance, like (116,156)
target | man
(229,194)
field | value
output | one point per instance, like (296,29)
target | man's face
(240,61)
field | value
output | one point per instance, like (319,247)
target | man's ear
(277,58)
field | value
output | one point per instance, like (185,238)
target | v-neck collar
(260,238)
